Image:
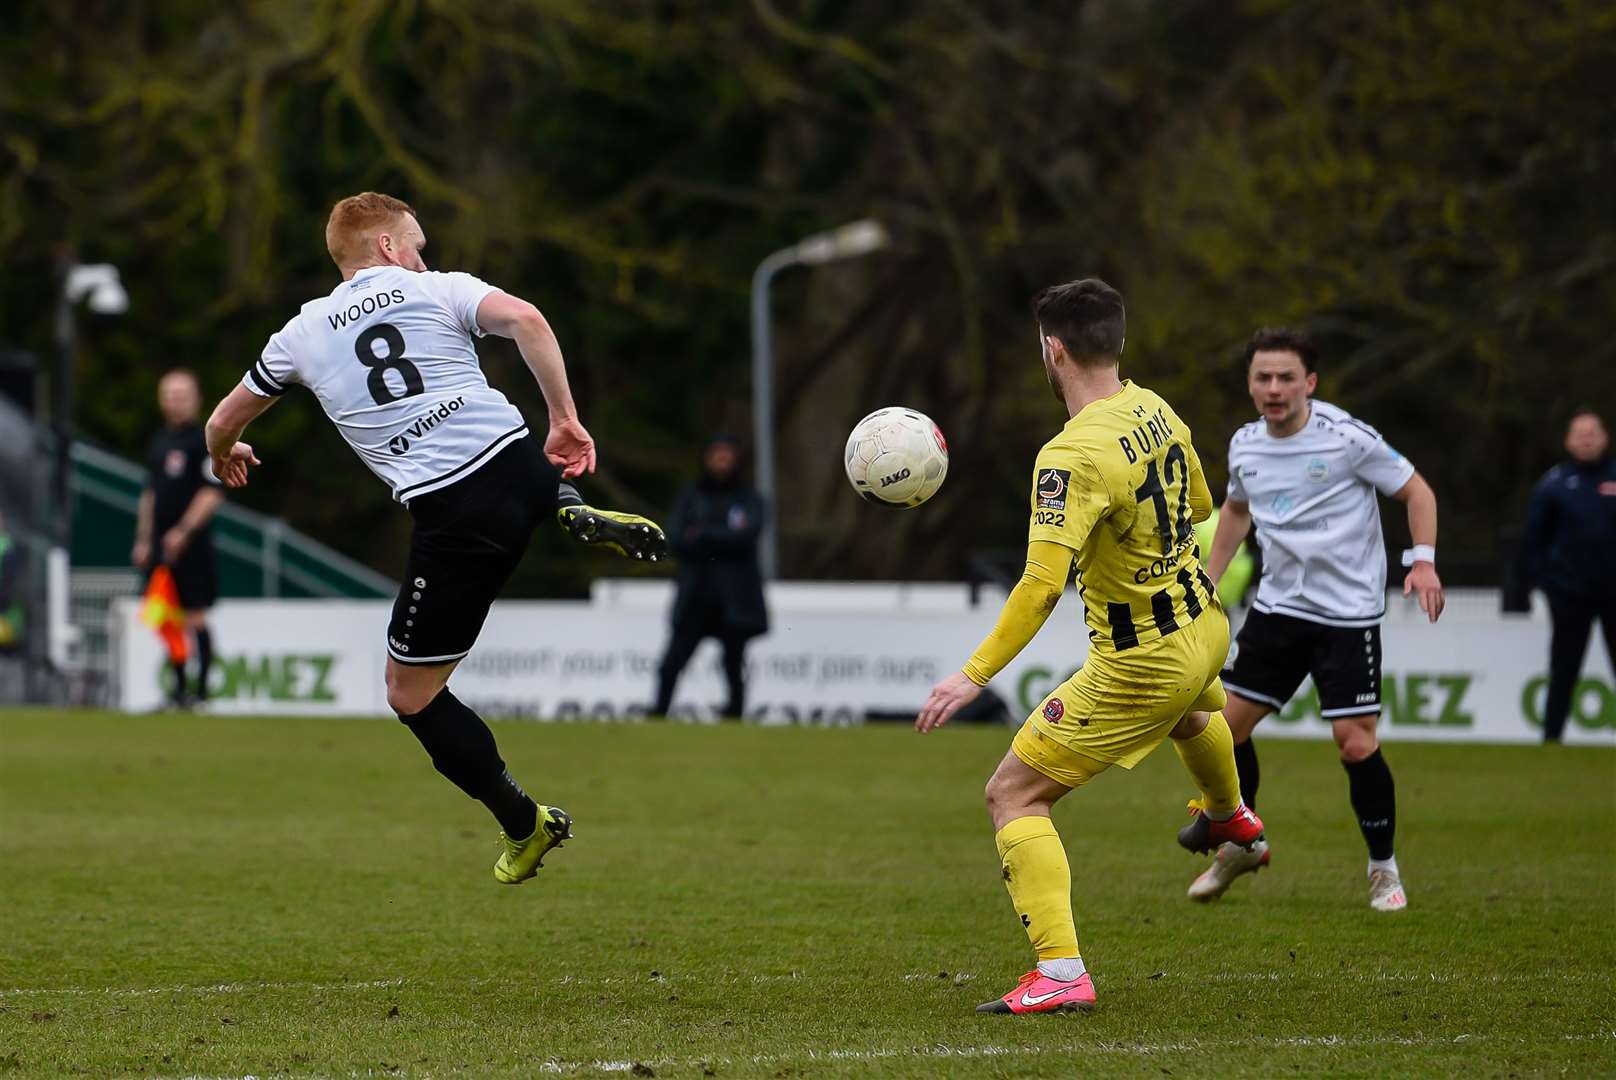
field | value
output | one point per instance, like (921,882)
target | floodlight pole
(99,286)
(61,524)
(849,241)
(763,404)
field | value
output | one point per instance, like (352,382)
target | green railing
(257,555)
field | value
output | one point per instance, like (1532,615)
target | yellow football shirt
(1121,486)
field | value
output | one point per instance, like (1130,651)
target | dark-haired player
(1307,473)
(1117,492)
(390,355)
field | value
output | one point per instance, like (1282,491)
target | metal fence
(258,555)
(91,593)
(284,562)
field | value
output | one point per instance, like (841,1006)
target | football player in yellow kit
(1118,491)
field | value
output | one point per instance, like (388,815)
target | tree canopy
(1427,187)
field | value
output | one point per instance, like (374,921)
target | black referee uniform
(177,467)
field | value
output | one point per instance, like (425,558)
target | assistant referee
(174,526)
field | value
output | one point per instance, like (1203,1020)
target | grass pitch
(208,897)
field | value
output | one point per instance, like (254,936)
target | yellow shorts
(1119,706)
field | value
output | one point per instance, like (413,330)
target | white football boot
(1386,891)
(1231,861)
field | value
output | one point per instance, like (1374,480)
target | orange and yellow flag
(162,612)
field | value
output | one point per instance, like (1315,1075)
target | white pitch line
(940,1051)
(1513,976)
(379,984)
(954,978)
(216,988)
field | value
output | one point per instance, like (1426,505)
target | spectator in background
(1569,544)
(173,527)
(714,534)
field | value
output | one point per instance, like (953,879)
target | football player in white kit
(390,356)
(1307,473)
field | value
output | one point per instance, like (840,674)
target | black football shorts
(1274,653)
(467,541)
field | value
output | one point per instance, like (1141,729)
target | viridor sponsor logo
(271,677)
(400,444)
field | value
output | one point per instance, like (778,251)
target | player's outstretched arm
(1200,494)
(230,418)
(568,444)
(1422,580)
(1234,522)
(1024,614)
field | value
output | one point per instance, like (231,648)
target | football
(896,456)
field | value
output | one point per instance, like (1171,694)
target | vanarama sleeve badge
(1052,488)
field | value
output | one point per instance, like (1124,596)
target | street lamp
(98,286)
(849,241)
(97,282)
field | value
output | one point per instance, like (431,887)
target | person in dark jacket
(713,532)
(1570,536)
(174,522)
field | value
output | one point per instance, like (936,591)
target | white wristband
(1420,553)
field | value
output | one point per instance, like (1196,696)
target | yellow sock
(1209,757)
(1040,884)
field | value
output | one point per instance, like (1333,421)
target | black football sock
(177,667)
(463,750)
(1374,800)
(1245,760)
(567,495)
(516,813)
(204,661)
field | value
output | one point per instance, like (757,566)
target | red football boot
(1203,834)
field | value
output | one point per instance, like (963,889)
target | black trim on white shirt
(471,463)
(1361,622)
(260,382)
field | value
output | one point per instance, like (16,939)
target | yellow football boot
(629,535)
(522,858)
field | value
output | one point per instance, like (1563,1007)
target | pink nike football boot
(1038,993)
